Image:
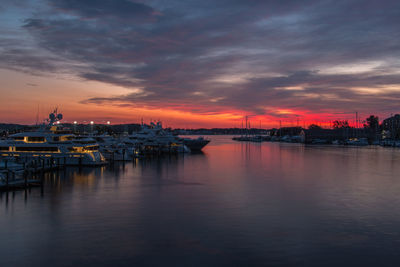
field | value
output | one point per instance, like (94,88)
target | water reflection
(234,204)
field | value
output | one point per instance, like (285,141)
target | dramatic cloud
(278,58)
(121,9)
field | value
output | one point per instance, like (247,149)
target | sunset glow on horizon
(199,64)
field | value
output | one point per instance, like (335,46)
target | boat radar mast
(54,117)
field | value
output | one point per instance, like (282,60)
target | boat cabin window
(35,139)
(4,148)
(36,149)
(67,138)
(56,138)
(92,148)
(18,138)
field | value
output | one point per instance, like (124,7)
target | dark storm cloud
(216,56)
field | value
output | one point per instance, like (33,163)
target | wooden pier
(24,173)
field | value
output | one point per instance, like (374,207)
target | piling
(25,178)
(7,178)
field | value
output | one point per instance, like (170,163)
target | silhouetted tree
(340,124)
(372,122)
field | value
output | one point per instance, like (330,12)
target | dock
(24,173)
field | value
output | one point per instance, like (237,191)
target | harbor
(52,146)
(199,133)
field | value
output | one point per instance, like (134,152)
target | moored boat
(196,144)
(52,142)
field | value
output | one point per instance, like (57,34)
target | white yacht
(52,142)
(154,138)
(115,150)
(110,147)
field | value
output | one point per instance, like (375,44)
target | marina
(199,133)
(53,146)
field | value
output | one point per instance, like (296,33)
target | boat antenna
(37,115)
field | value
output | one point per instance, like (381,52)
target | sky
(202,63)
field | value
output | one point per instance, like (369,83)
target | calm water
(237,204)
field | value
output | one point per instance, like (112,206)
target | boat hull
(196,144)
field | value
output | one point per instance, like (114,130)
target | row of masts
(357,123)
